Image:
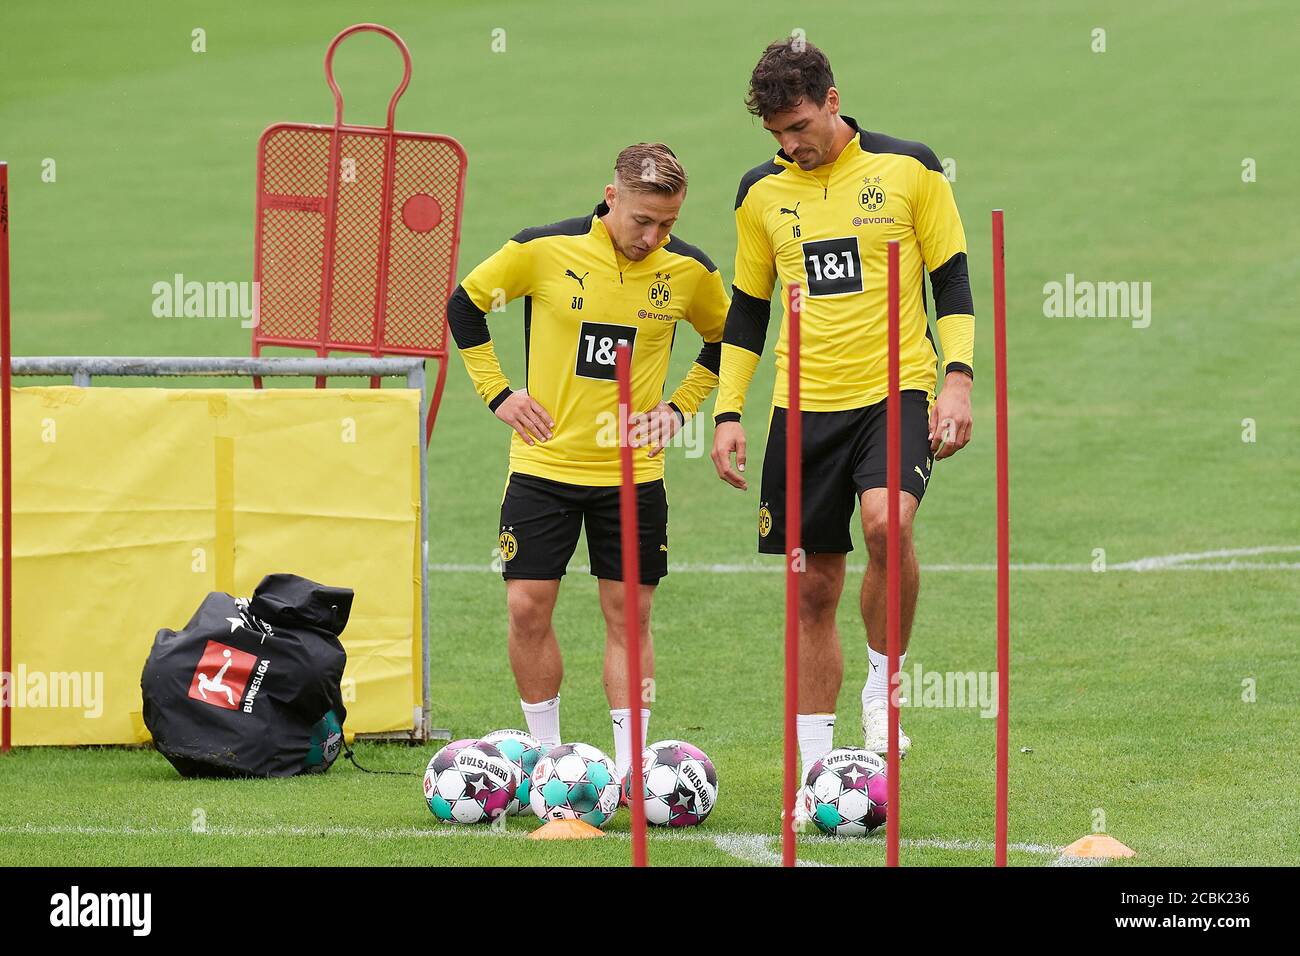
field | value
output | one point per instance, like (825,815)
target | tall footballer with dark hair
(820,213)
(613,275)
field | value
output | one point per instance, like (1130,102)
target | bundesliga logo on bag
(222,675)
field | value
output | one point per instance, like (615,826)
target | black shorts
(843,455)
(541,519)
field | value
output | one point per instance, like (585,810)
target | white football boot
(803,821)
(875,730)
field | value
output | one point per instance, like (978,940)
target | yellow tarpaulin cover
(131,504)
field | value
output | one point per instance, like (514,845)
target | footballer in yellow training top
(821,214)
(589,283)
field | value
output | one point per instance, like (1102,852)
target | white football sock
(816,738)
(623,737)
(544,721)
(877,685)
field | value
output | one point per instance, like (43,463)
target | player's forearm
(734,375)
(742,345)
(700,381)
(956,314)
(469,328)
(957,339)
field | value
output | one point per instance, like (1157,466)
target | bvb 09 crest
(871,197)
(764,522)
(660,294)
(509,546)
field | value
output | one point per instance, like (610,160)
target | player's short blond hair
(650,167)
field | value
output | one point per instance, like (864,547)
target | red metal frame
(6,466)
(793,540)
(893,562)
(324,340)
(630,538)
(1004,534)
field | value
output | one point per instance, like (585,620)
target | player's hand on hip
(950,417)
(654,428)
(522,413)
(728,440)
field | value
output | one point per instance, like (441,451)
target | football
(575,782)
(522,750)
(846,792)
(471,784)
(444,757)
(680,784)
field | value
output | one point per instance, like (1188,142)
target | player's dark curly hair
(788,71)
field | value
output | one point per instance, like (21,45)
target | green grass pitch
(1131,693)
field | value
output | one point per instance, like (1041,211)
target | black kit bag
(251,688)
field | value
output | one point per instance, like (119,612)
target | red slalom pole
(893,569)
(793,557)
(6,466)
(629,533)
(1004,533)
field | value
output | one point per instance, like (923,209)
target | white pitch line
(1191,561)
(974,846)
(1168,560)
(753,848)
(1234,566)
